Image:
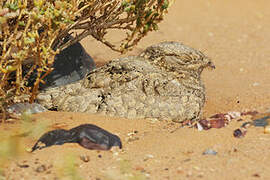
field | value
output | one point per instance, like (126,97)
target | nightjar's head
(174,56)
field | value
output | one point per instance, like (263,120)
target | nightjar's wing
(117,73)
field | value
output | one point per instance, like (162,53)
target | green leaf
(13,7)
(155,26)
(165,5)
(29,40)
(21,23)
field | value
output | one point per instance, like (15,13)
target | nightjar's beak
(211,65)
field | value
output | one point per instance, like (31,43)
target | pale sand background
(235,34)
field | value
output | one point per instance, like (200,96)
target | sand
(235,34)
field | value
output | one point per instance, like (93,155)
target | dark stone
(209,152)
(88,136)
(70,65)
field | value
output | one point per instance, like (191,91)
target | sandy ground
(235,34)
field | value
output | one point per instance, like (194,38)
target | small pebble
(218,123)
(140,168)
(234,114)
(131,139)
(147,175)
(256,175)
(28,150)
(84,158)
(180,170)
(148,156)
(186,160)
(41,168)
(205,124)
(200,175)
(261,121)
(256,84)
(267,129)
(219,115)
(23,165)
(251,113)
(199,126)
(238,133)
(209,152)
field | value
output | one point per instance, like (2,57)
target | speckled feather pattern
(163,82)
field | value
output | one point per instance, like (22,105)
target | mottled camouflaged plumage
(163,82)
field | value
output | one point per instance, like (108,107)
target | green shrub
(32,32)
